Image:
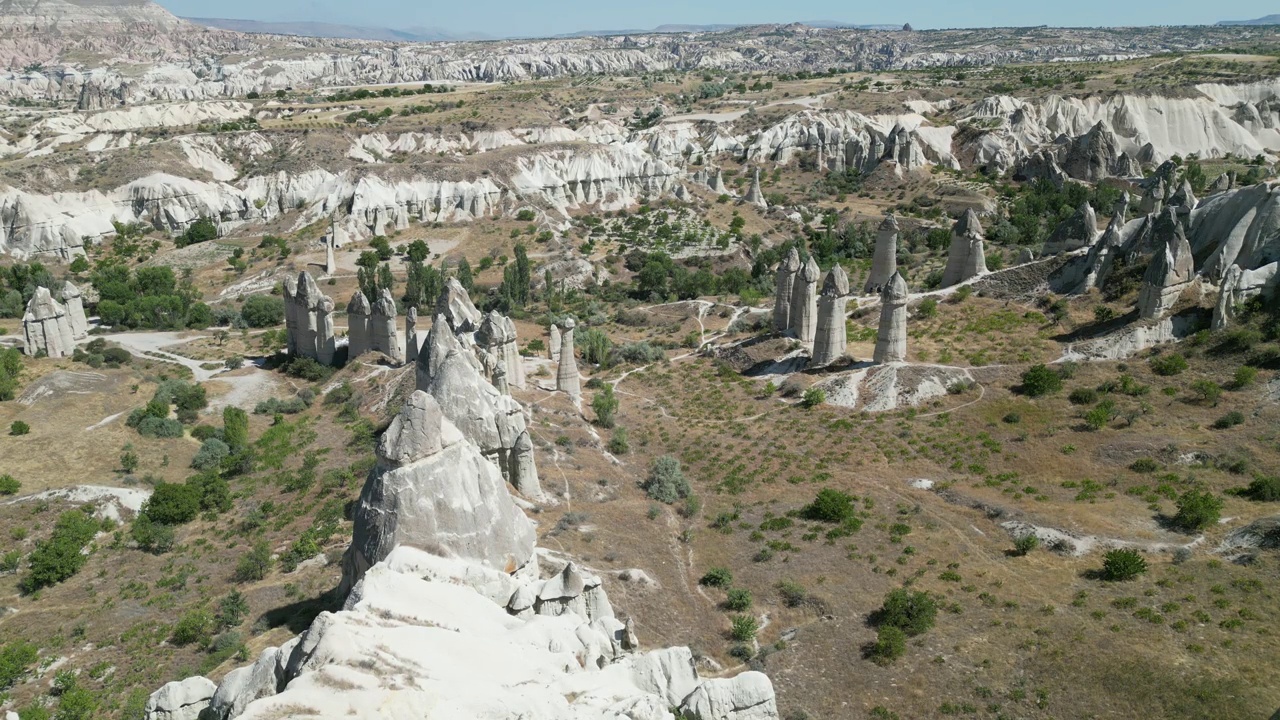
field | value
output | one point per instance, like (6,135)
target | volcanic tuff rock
(804,301)
(1169,273)
(755,196)
(1078,231)
(46,326)
(784,280)
(1097,155)
(308,320)
(885,262)
(359,330)
(966,258)
(497,348)
(1237,227)
(1239,286)
(891,338)
(384,328)
(553,342)
(829,343)
(454,304)
(567,379)
(412,341)
(72,298)
(180,699)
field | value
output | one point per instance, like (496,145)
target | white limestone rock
(831,339)
(891,338)
(784,279)
(568,381)
(748,696)
(384,328)
(804,301)
(454,304)
(72,299)
(1239,286)
(179,700)
(553,342)
(46,326)
(1097,155)
(885,262)
(309,320)
(966,258)
(1076,232)
(1170,272)
(359,330)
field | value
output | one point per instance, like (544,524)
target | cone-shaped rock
(966,258)
(885,262)
(358,312)
(717,183)
(71,298)
(1169,273)
(755,196)
(784,279)
(554,342)
(412,343)
(455,305)
(891,339)
(1078,231)
(567,379)
(384,335)
(46,326)
(804,301)
(829,344)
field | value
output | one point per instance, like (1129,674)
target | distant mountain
(331,30)
(83,15)
(1268,20)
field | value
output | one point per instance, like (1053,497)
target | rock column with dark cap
(358,312)
(966,259)
(804,301)
(891,340)
(885,263)
(784,279)
(567,379)
(829,345)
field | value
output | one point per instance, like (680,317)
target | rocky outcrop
(359,326)
(553,342)
(1040,165)
(412,342)
(804,301)
(1239,286)
(784,281)
(1076,232)
(180,700)
(1237,227)
(46,327)
(434,490)
(498,351)
(829,343)
(1170,272)
(74,302)
(1097,155)
(384,330)
(452,374)
(885,261)
(308,320)
(966,259)
(755,196)
(567,379)
(454,304)
(891,338)
(1102,255)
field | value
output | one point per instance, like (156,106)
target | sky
(503,18)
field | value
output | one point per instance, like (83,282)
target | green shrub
(235,428)
(717,577)
(1122,564)
(605,405)
(211,454)
(1208,391)
(1229,420)
(308,369)
(793,594)
(911,611)
(152,536)
(1083,396)
(172,503)
(1100,416)
(1040,380)
(255,564)
(1197,510)
(813,397)
(155,427)
(666,482)
(16,659)
(1168,365)
(9,486)
(232,610)
(830,506)
(61,556)
(19,428)
(618,444)
(1144,465)
(744,628)
(261,311)
(1025,544)
(195,626)
(927,308)
(890,644)
(1244,377)
(1263,489)
(739,600)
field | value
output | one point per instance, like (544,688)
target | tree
(465,277)
(16,659)
(813,397)
(743,628)
(666,482)
(235,428)
(417,252)
(128,459)
(9,486)
(211,454)
(261,311)
(1263,489)
(1122,564)
(255,564)
(173,503)
(1197,510)
(19,428)
(594,344)
(830,506)
(911,611)
(202,230)
(1040,380)
(605,405)
(381,246)
(232,610)
(1167,365)
(195,626)
(60,557)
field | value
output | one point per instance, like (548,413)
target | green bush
(16,659)
(195,626)
(1083,396)
(911,611)
(1208,391)
(1144,465)
(717,577)
(1197,510)
(1229,420)
(1040,380)
(151,536)
(830,506)
(19,428)
(306,368)
(1244,377)
(744,628)
(927,308)
(61,556)
(890,644)
(202,230)
(1122,564)
(739,600)
(232,610)
(1025,544)
(813,397)
(235,428)
(9,486)
(1167,365)
(793,594)
(605,405)
(173,503)
(618,444)
(261,311)
(666,482)
(255,564)
(155,427)
(211,454)
(1263,489)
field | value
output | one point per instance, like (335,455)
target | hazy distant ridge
(1268,20)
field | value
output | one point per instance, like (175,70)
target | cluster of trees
(153,420)
(149,297)
(10,368)
(61,556)
(1037,208)
(202,230)
(366,93)
(658,276)
(18,283)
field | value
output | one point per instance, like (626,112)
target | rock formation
(1169,273)
(1097,155)
(567,378)
(1239,286)
(829,344)
(885,262)
(71,298)
(452,374)
(891,339)
(384,331)
(359,329)
(498,351)
(553,342)
(454,303)
(755,196)
(180,699)
(966,259)
(784,279)
(1102,255)
(1078,231)
(412,343)
(46,326)
(308,320)
(717,183)
(1237,227)
(804,301)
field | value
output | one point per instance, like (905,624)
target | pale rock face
(384,330)
(891,339)
(309,320)
(966,259)
(755,196)
(829,344)
(568,381)
(785,278)
(178,700)
(46,326)
(412,343)
(71,297)
(1097,155)
(455,305)
(1239,286)
(748,696)
(1237,227)
(1102,255)
(804,301)
(1169,273)
(554,342)
(1078,231)
(359,330)
(885,262)
(432,489)
(493,421)
(1041,165)
(498,350)
(717,183)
